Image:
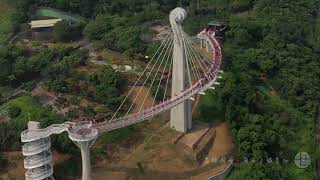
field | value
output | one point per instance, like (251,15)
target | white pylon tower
(181,115)
(84,136)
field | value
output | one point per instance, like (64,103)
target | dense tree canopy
(115,32)
(65,31)
(108,86)
(269,91)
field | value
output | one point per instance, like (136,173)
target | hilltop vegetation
(30,109)
(269,93)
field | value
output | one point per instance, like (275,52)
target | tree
(115,32)
(65,31)
(128,39)
(109,85)
(253,171)
(96,29)
(14,111)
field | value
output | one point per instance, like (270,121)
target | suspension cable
(192,60)
(196,52)
(155,75)
(162,74)
(192,51)
(170,74)
(161,46)
(148,76)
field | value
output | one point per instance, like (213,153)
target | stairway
(38,161)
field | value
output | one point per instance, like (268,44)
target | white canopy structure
(44,23)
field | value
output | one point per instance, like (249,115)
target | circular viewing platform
(83,131)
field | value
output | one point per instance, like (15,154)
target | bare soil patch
(161,159)
(143,98)
(223,144)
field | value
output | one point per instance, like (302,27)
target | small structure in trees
(42,29)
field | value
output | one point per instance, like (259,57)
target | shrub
(14,112)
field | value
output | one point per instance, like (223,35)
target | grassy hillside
(29,110)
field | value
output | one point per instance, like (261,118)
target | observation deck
(82,132)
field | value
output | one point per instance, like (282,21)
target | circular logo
(302,160)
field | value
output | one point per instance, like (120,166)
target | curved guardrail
(32,135)
(37,160)
(36,147)
(42,172)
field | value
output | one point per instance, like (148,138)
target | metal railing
(36,147)
(32,135)
(37,160)
(40,172)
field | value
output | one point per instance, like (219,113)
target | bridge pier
(85,147)
(181,115)
(84,136)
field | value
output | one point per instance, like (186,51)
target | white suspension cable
(170,74)
(187,63)
(169,39)
(191,59)
(155,76)
(166,38)
(192,51)
(162,75)
(189,41)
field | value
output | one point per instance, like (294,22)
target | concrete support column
(85,147)
(84,136)
(85,155)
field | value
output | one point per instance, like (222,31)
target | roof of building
(44,23)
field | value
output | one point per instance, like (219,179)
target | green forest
(270,91)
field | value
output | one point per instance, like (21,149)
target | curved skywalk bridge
(197,64)
(205,83)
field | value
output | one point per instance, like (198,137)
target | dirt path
(223,144)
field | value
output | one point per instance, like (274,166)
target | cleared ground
(156,157)
(161,159)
